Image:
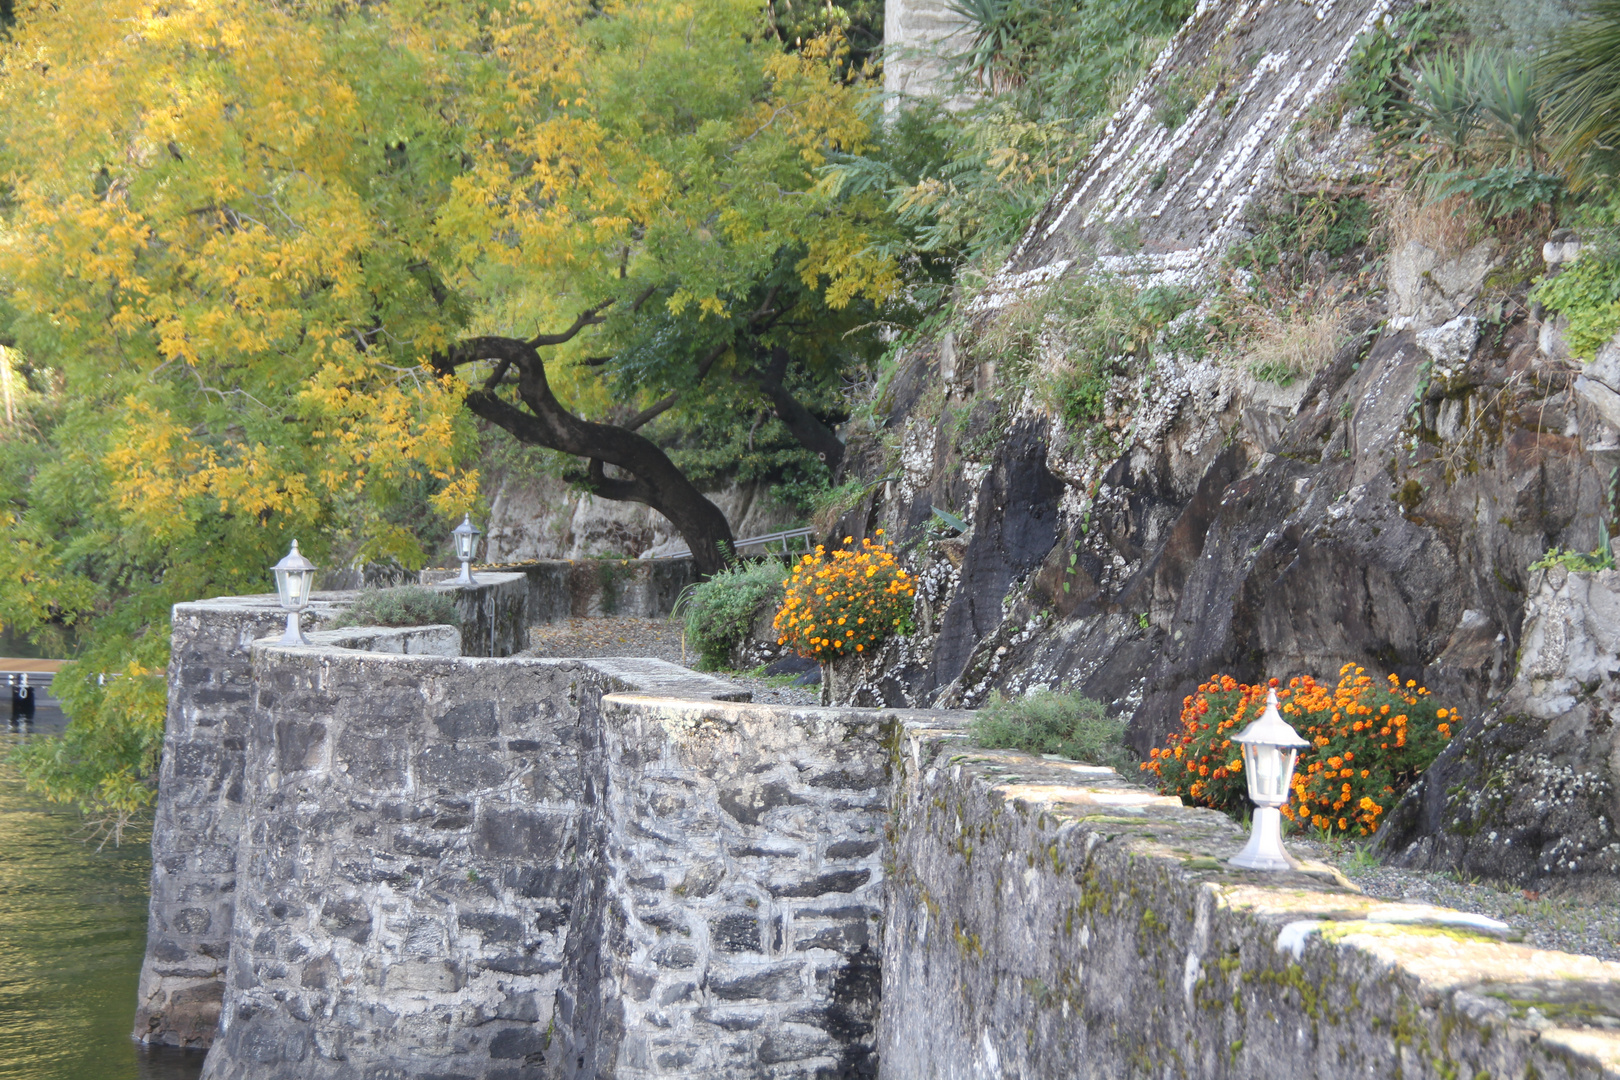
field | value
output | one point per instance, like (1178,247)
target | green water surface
(72,932)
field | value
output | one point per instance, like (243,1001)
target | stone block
(836,881)
(737,932)
(770,982)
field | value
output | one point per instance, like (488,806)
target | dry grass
(1297,346)
(1448,227)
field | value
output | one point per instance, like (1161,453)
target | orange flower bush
(1370,739)
(845,604)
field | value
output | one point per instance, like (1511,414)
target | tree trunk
(804,425)
(653,479)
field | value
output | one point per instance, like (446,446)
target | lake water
(72,932)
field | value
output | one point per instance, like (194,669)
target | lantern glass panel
(293,585)
(1263,766)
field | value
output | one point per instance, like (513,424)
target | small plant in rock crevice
(845,602)
(1582,562)
(1370,740)
(1049,722)
(409,605)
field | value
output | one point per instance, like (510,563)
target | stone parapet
(199,810)
(411,863)
(1046,919)
(494,613)
(199,813)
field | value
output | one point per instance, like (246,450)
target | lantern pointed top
(294,560)
(1271,729)
(466,528)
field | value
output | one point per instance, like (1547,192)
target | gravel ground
(1566,923)
(660,639)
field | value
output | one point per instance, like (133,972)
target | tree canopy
(263,262)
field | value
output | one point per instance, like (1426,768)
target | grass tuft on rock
(1049,722)
(409,605)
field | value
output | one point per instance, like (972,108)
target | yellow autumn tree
(271,260)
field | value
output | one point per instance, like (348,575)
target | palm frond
(1580,74)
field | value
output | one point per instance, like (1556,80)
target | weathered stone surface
(1528,791)
(384,951)
(1166,202)
(921,39)
(740,887)
(1359,533)
(1045,921)
(586,588)
(494,613)
(539,517)
(200,808)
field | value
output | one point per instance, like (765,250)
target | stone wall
(199,810)
(1047,920)
(407,860)
(410,862)
(468,867)
(742,879)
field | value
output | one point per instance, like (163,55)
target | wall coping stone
(1425,974)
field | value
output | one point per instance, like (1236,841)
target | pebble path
(660,639)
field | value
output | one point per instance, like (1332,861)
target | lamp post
(294,576)
(466,536)
(1270,748)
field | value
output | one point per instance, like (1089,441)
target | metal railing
(782,537)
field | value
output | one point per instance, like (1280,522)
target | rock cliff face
(1528,791)
(1383,511)
(540,517)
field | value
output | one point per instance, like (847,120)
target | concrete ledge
(668,680)
(404,640)
(1047,919)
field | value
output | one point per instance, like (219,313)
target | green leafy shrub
(1587,293)
(1331,224)
(718,613)
(408,605)
(1049,722)
(1375,79)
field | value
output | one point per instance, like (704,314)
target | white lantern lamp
(466,536)
(295,575)
(1270,748)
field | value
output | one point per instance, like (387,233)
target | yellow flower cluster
(846,603)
